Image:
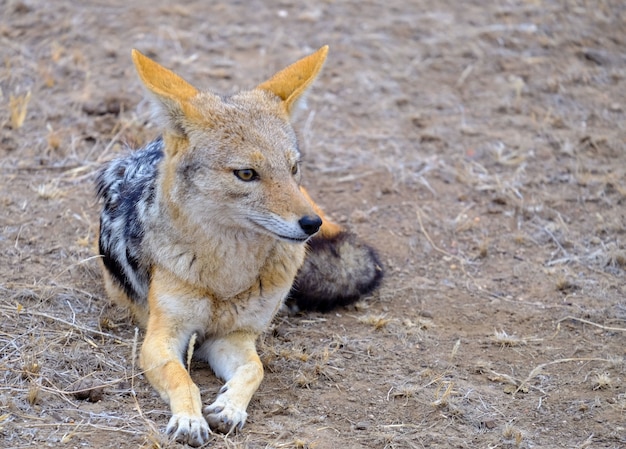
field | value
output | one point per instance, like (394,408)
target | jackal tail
(339,268)
(337,271)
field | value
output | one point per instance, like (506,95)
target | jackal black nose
(310,224)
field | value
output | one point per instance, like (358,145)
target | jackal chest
(200,311)
(229,296)
(254,307)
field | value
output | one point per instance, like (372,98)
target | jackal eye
(295,169)
(247,174)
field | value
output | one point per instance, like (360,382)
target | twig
(29,425)
(556,242)
(423,229)
(73,325)
(148,422)
(538,368)
(608,328)
(133,357)
(461,261)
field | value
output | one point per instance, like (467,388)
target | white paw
(224,416)
(192,430)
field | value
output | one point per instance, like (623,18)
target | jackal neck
(222,260)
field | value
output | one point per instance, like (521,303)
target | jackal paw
(224,416)
(192,430)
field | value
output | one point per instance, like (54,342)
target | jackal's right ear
(171,92)
(290,83)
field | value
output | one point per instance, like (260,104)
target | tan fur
(328,229)
(290,88)
(212,275)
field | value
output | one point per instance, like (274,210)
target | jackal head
(234,160)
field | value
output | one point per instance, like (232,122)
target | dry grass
(18,105)
(55,360)
(602,381)
(513,435)
(491,180)
(503,339)
(377,321)
(50,191)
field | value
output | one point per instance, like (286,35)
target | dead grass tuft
(419,323)
(507,156)
(294,353)
(565,285)
(53,139)
(602,381)
(377,321)
(31,368)
(616,362)
(443,394)
(512,435)
(50,191)
(405,391)
(507,186)
(305,379)
(615,257)
(18,106)
(502,338)
(297,443)
(33,393)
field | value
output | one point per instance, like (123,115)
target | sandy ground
(480,146)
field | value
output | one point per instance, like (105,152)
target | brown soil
(481,149)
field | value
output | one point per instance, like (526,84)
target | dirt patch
(481,149)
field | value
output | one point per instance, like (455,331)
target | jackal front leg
(162,356)
(234,359)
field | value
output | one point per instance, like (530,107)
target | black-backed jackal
(204,231)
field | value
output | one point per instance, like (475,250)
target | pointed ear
(289,84)
(170,90)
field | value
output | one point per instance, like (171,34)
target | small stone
(88,390)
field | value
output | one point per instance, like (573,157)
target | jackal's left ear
(172,93)
(290,83)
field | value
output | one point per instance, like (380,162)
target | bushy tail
(337,271)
